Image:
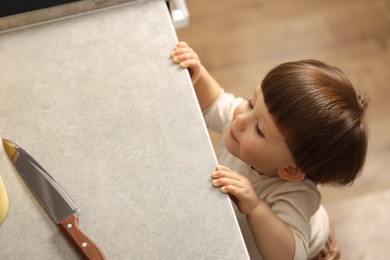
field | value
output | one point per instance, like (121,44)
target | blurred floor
(240,41)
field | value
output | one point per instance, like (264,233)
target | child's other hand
(238,186)
(187,58)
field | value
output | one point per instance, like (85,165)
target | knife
(53,198)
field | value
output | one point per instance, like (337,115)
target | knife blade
(53,198)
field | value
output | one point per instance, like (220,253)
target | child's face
(255,139)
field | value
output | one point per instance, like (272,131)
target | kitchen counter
(96,100)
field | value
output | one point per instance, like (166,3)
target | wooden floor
(240,41)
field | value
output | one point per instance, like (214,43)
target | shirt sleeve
(221,111)
(295,206)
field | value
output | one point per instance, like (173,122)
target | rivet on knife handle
(87,247)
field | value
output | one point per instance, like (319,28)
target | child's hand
(238,186)
(187,58)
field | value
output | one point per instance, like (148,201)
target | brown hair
(320,115)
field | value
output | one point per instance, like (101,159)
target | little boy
(303,126)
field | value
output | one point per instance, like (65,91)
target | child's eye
(258,131)
(250,103)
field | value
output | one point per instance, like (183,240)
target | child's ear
(291,173)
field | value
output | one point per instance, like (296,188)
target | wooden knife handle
(84,244)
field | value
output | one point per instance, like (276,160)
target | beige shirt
(296,203)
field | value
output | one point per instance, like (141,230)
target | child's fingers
(182,49)
(189,63)
(230,189)
(183,54)
(219,174)
(221,167)
(226,182)
(184,57)
(237,192)
(225,172)
(182,44)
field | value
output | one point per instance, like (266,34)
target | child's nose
(241,122)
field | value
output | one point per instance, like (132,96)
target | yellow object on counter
(3,201)
(3,193)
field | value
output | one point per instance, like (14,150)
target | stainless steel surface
(46,189)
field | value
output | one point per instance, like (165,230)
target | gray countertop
(97,101)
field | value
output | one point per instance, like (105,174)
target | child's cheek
(249,151)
